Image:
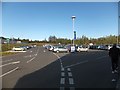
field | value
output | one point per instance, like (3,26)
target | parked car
(24,47)
(103,47)
(82,48)
(18,48)
(68,47)
(46,46)
(93,47)
(60,49)
(53,46)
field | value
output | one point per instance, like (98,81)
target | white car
(18,49)
(60,49)
(79,49)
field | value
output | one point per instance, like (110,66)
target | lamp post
(73,18)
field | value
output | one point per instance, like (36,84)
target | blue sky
(39,20)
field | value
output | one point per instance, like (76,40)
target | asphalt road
(39,68)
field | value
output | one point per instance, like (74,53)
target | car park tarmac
(40,68)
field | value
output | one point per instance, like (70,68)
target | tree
(52,39)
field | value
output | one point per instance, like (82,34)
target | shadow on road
(46,77)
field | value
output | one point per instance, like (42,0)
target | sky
(39,20)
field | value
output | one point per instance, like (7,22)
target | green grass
(7,47)
(7,53)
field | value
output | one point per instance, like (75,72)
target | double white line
(10,70)
(63,79)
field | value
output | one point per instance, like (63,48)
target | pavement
(39,68)
(118,82)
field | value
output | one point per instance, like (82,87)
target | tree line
(81,40)
(85,40)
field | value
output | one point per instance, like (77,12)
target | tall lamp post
(73,18)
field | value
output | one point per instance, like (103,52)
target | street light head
(73,17)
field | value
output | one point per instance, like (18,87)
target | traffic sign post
(74,35)
(8,40)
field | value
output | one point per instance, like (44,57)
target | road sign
(74,35)
(8,40)
(72,48)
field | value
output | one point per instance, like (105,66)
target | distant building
(8,40)
(3,40)
(19,42)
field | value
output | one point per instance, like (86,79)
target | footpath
(118,81)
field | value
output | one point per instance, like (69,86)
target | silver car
(18,49)
(60,49)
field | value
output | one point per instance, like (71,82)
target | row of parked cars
(77,48)
(66,48)
(102,47)
(23,48)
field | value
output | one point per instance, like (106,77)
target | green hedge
(6,47)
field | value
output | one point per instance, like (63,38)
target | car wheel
(57,51)
(68,51)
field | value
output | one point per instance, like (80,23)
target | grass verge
(7,53)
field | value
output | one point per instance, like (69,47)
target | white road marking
(37,51)
(68,69)
(10,63)
(62,74)
(44,51)
(31,60)
(62,81)
(9,72)
(62,88)
(62,69)
(59,59)
(72,88)
(69,74)
(76,64)
(6,60)
(30,55)
(71,81)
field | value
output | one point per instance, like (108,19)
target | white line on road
(37,51)
(68,69)
(9,72)
(6,60)
(10,63)
(28,56)
(62,81)
(62,69)
(31,60)
(44,51)
(62,74)
(59,59)
(69,74)
(76,64)
(71,81)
